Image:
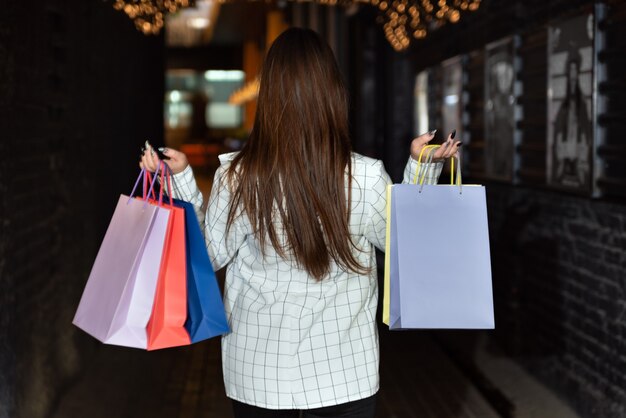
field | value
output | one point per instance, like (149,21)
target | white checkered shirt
(297,343)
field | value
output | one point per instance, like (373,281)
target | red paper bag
(166,327)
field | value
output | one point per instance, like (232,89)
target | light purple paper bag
(117,301)
(440,268)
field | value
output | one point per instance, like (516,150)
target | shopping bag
(166,327)
(117,301)
(206,317)
(438,271)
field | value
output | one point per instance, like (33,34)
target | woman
(572,133)
(295,216)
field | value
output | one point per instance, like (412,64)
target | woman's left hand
(446,150)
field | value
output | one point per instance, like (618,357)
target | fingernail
(162,149)
(453,134)
(432,132)
(460,144)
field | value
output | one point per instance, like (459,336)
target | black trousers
(363,408)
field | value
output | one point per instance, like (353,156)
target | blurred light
(199,22)
(174,96)
(248,92)
(224,75)
(451,99)
(148,15)
(417,17)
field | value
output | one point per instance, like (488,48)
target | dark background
(81,89)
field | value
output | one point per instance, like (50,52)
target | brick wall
(80,90)
(560,288)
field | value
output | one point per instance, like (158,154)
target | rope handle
(166,181)
(146,176)
(419,162)
(421,174)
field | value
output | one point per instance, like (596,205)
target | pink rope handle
(166,179)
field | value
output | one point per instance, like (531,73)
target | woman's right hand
(177,161)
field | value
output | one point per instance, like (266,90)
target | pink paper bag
(117,301)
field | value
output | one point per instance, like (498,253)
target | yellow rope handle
(429,158)
(419,161)
(452,170)
(456,173)
(432,149)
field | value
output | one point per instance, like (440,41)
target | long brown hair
(293,166)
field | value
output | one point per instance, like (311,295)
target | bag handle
(432,148)
(166,175)
(166,180)
(146,192)
(145,175)
(429,157)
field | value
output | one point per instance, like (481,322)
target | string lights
(406,19)
(402,20)
(149,15)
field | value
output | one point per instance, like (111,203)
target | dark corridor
(82,87)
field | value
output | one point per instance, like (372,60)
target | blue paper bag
(205,310)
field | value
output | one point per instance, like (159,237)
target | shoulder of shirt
(361,161)
(356,158)
(227,158)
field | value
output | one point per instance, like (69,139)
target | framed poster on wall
(570,103)
(452,92)
(499,109)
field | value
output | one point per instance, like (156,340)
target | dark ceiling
(238,22)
